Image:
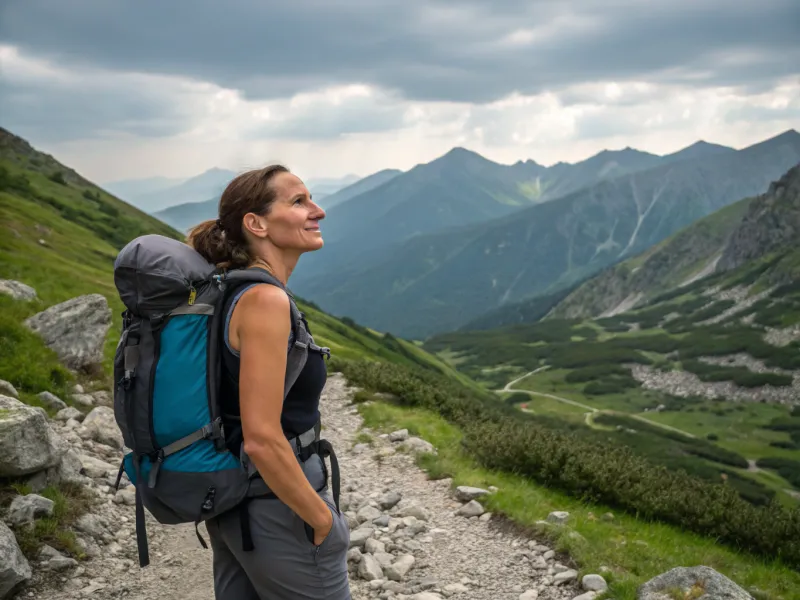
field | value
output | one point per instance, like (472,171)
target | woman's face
(293,219)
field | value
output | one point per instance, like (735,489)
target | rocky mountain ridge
(725,240)
(440,281)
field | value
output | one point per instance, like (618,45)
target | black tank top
(301,406)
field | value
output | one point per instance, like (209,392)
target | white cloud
(116,124)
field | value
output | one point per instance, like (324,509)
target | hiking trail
(421,547)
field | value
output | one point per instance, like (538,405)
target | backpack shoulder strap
(298,352)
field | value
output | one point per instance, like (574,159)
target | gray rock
(390,500)
(549,554)
(715,585)
(472,508)
(70,467)
(373,546)
(77,389)
(414,510)
(382,521)
(367,513)
(415,444)
(594,583)
(86,400)
(360,536)
(7,389)
(65,414)
(61,563)
(24,509)
(51,401)
(96,468)
(103,398)
(14,567)
(100,425)
(399,568)
(465,493)
(586,596)
(47,552)
(76,330)
(426,596)
(91,524)
(558,516)
(27,443)
(565,576)
(384,559)
(398,436)
(126,496)
(529,595)
(354,555)
(369,569)
(17,290)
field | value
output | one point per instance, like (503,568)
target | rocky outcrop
(772,222)
(76,330)
(17,290)
(698,583)
(27,443)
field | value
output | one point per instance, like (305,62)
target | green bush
(787,468)
(503,439)
(712,437)
(594,372)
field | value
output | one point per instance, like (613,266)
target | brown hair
(222,241)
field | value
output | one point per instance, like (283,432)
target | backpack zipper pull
(192,295)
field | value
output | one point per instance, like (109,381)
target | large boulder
(699,583)
(14,567)
(76,330)
(27,443)
(17,290)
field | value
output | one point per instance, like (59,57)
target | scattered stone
(689,581)
(51,401)
(61,563)
(398,569)
(86,400)
(485,517)
(414,510)
(415,444)
(455,588)
(7,389)
(27,443)
(472,508)
(126,496)
(390,500)
(565,576)
(25,509)
(369,569)
(529,595)
(594,583)
(586,596)
(465,493)
(560,517)
(65,414)
(96,468)
(101,426)
(359,537)
(398,436)
(367,513)
(14,567)
(18,291)
(373,546)
(426,596)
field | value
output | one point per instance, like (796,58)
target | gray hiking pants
(284,564)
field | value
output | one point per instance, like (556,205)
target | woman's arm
(262,328)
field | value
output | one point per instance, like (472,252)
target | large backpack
(167,369)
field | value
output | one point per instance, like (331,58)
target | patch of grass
(70,502)
(634,549)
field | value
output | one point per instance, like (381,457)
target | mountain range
(195,199)
(440,245)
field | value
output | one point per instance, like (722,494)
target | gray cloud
(424,50)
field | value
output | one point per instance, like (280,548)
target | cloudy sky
(141,88)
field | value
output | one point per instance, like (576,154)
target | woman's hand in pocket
(320,533)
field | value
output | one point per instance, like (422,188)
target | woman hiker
(298,538)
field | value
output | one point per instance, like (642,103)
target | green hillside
(60,234)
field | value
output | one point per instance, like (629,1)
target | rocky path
(410,537)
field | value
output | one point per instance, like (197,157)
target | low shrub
(581,465)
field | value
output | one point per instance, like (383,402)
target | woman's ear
(255,224)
